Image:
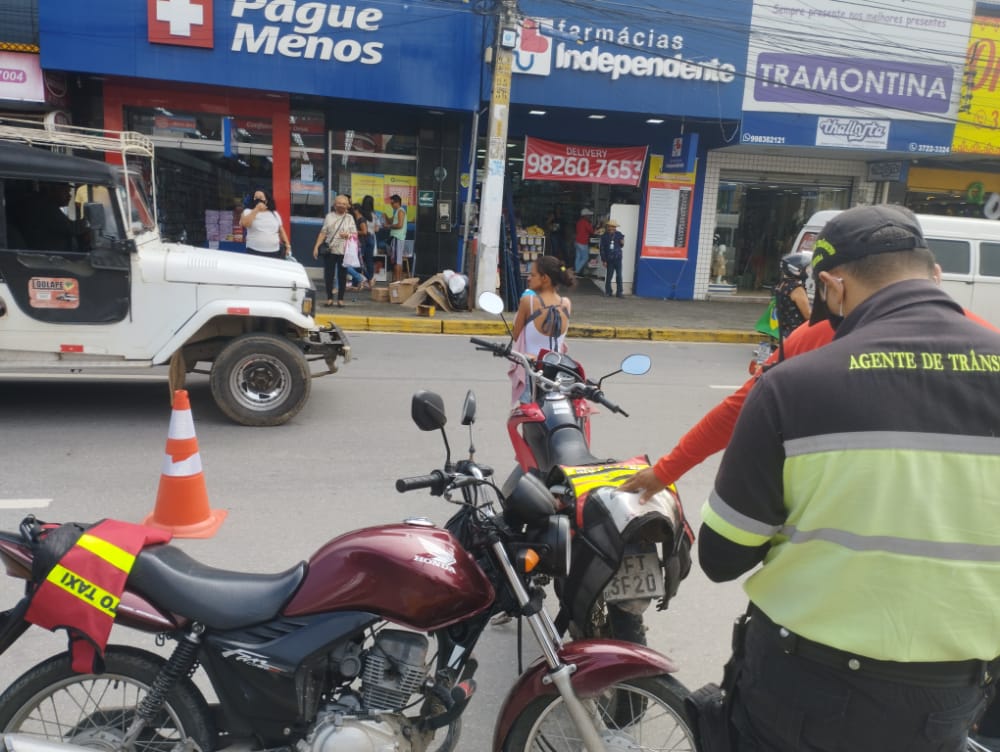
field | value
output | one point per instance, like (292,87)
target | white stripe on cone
(181,425)
(182,468)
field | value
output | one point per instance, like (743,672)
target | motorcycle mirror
(636,365)
(469,409)
(427,410)
(491,303)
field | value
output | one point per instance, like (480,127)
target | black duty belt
(935,673)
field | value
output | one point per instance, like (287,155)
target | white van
(968,251)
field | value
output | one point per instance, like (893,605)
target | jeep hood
(186,263)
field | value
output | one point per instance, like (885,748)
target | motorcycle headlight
(552,544)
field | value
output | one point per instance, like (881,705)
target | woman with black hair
(265,234)
(542,317)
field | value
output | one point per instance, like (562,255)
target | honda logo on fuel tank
(187,23)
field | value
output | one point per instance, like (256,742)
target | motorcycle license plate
(638,576)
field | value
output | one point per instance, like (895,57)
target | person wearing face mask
(331,243)
(872,515)
(265,234)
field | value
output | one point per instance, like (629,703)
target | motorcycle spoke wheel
(654,708)
(52,702)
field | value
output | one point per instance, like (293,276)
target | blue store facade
(315,98)
(309,99)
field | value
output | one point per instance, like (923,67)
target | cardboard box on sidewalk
(380,294)
(400,291)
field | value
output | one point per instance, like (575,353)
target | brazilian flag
(768,322)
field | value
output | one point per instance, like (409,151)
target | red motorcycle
(617,570)
(367,646)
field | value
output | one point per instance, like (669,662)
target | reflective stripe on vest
(81,592)
(849,554)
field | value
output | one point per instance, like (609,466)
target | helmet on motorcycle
(796,265)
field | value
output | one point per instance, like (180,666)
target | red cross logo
(183,22)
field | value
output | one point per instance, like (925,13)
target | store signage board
(365,51)
(21,78)
(978,127)
(875,134)
(859,90)
(667,230)
(573,163)
(682,155)
(632,62)
(888,172)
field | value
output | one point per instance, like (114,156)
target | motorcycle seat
(218,598)
(567,446)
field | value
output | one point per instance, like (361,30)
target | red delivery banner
(548,160)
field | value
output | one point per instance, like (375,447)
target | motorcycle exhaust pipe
(28,743)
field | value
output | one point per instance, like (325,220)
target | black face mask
(834,320)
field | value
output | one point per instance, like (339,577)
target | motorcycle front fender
(599,664)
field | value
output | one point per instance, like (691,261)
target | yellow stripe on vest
(588,477)
(115,556)
(83,589)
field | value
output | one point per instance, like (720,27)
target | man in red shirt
(584,229)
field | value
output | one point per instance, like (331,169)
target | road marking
(727,387)
(24,503)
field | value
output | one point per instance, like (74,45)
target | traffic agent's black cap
(860,232)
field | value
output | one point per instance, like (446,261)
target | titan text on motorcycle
(326,656)
(625,554)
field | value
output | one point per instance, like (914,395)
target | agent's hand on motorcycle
(645,483)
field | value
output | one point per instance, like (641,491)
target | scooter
(367,646)
(617,570)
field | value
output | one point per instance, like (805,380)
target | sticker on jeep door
(53,292)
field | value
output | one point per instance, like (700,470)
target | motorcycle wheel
(659,721)
(53,702)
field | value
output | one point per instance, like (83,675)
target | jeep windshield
(134,198)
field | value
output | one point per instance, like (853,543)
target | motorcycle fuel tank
(413,574)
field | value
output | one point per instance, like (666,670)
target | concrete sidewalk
(594,315)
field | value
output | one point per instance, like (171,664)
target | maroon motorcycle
(367,646)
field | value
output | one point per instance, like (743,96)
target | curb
(417,325)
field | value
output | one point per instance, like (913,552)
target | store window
(377,165)
(201,189)
(757,222)
(308,165)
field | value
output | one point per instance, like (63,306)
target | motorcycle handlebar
(598,396)
(434,481)
(493,347)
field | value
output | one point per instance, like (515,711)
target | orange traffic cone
(182,500)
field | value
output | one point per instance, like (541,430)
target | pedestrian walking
(584,229)
(331,243)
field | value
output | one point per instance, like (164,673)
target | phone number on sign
(555,166)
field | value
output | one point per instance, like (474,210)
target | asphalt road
(83,450)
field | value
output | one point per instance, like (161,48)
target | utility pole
(491,200)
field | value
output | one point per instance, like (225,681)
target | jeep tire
(260,380)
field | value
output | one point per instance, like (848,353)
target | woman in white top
(542,316)
(331,243)
(265,235)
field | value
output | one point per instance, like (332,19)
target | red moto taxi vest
(81,591)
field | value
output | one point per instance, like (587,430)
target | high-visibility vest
(81,592)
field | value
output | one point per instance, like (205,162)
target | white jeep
(87,284)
